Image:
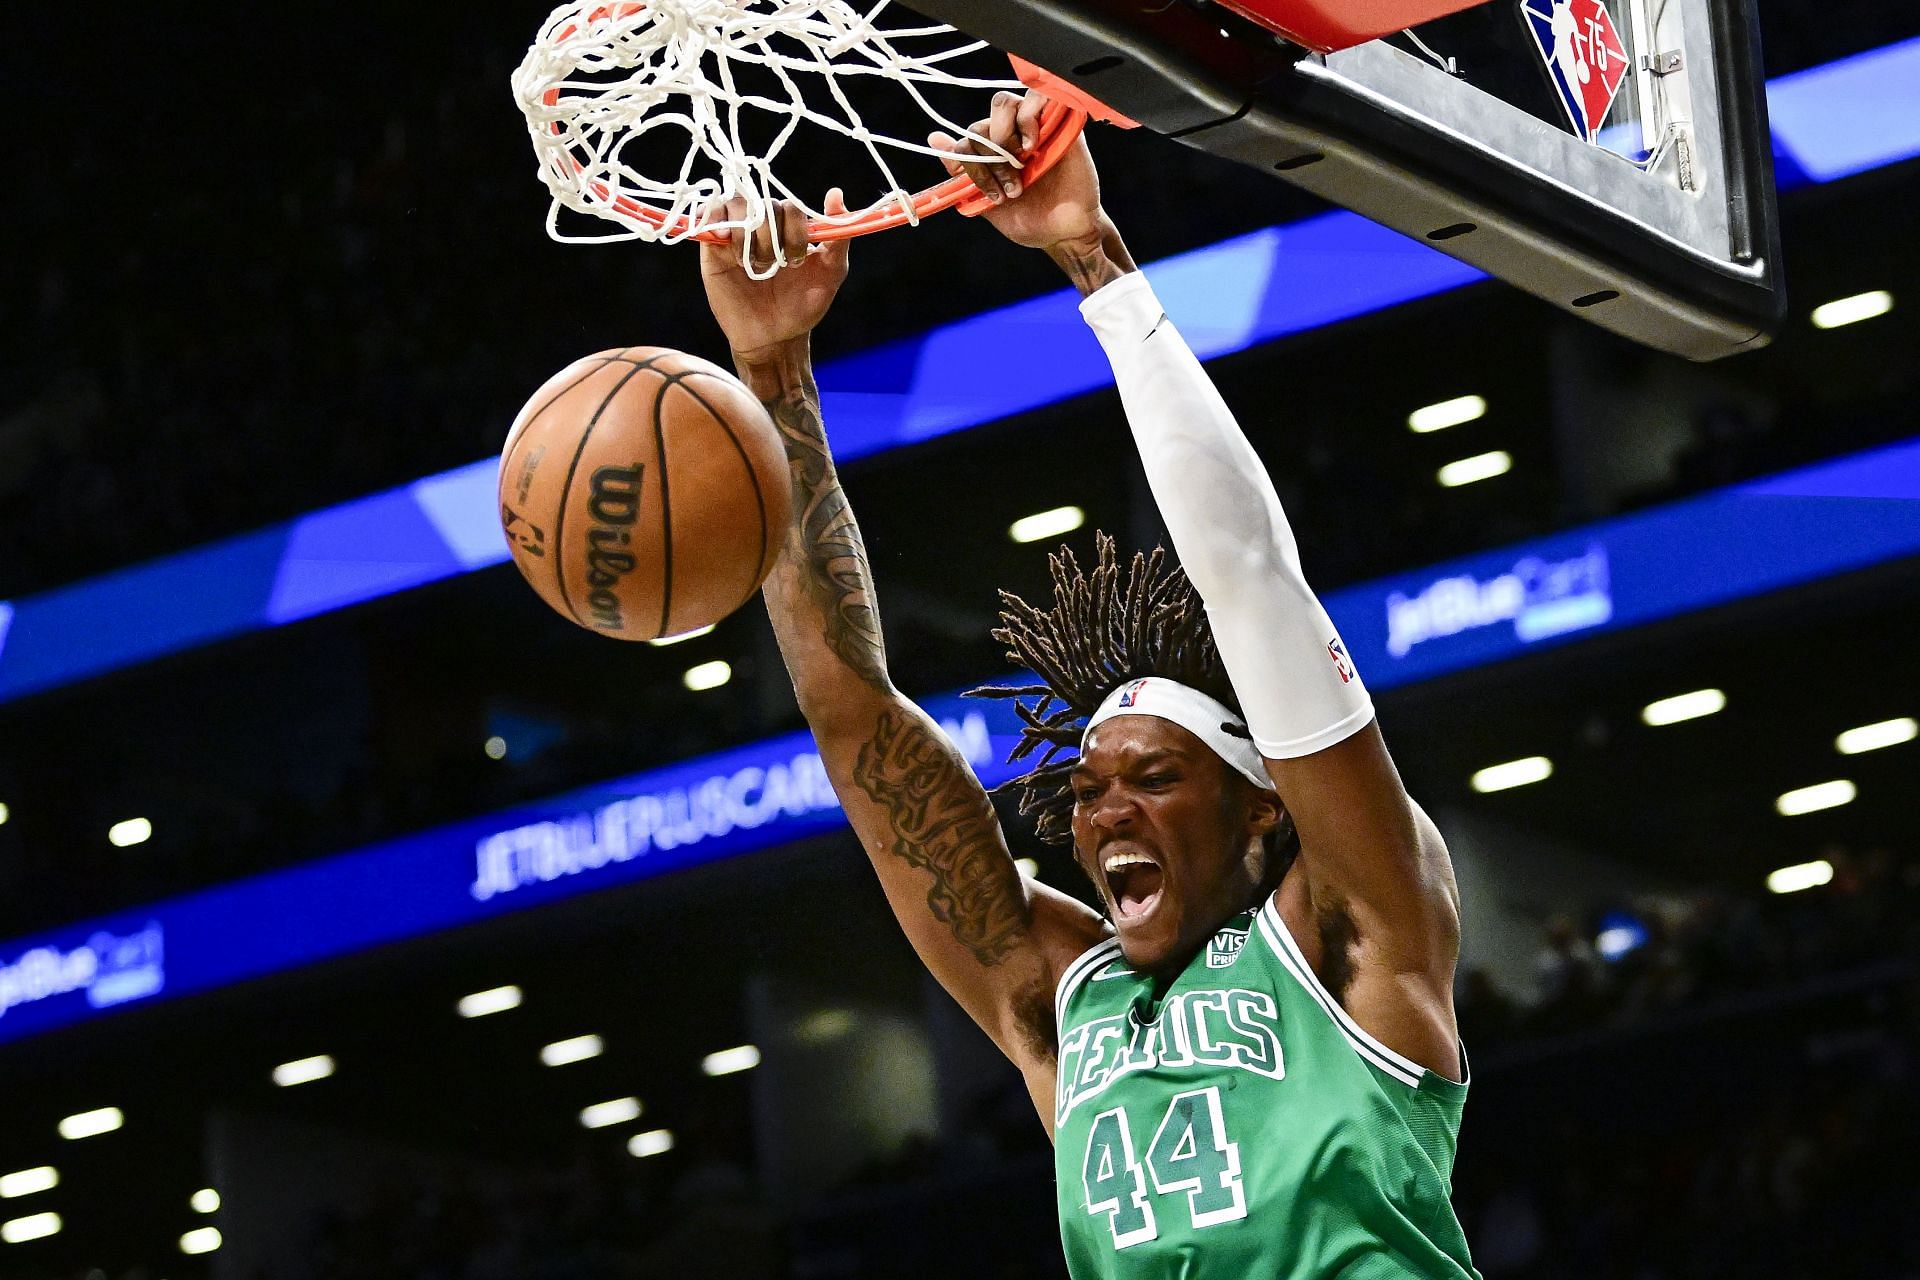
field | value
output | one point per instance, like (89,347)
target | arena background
(290,795)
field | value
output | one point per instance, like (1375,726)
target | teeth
(1119,860)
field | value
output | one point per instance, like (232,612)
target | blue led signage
(1686,556)
(618,832)
(1739,542)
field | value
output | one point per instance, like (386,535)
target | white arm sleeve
(1296,682)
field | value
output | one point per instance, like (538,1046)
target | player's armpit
(1371,859)
(1364,842)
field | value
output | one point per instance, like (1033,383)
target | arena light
(1801,875)
(89,1124)
(707,675)
(728,1061)
(603,1114)
(303,1071)
(1684,706)
(1448,413)
(5,813)
(35,1226)
(1822,795)
(492,1000)
(205,1200)
(1481,466)
(661,642)
(495,747)
(1046,524)
(578,1049)
(1852,310)
(1872,737)
(1618,940)
(200,1240)
(28,1182)
(131,832)
(1514,773)
(1029,867)
(654,1142)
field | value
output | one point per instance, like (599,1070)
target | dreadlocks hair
(1105,628)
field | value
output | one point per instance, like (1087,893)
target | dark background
(260,261)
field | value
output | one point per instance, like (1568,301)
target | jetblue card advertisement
(1754,538)
(46,984)
(750,798)
(746,799)
(1474,611)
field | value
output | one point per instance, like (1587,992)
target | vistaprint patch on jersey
(1223,948)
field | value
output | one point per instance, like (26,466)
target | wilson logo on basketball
(614,506)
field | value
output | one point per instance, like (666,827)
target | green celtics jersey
(1244,1127)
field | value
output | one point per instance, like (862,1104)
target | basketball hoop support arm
(1226,84)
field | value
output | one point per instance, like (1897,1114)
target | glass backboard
(1610,156)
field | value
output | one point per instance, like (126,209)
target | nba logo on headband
(1205,717)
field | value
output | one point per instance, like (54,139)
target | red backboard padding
(1326,25)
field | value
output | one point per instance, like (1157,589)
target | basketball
(644,492)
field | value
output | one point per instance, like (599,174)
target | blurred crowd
(1801,1174)
(594,1221)
(285,326)
(1731,1095)
(1723,1088)
(1625,965)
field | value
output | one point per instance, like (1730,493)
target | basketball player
(1247,1059)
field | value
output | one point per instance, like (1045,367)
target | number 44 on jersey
(1189,1155)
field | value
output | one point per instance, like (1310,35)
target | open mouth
(1134,882)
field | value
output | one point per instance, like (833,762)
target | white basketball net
(602,75)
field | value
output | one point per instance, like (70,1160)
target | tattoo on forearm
(1088,273)
(836,576)
(1091,267)
(942,822)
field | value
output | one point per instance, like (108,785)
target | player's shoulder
(1102,961)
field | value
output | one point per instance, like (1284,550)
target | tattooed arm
(996,942)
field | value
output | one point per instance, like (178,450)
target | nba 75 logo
(1586,61)
(1224,947)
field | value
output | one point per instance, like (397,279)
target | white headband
(1205,718)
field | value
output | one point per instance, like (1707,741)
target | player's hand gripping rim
(1014,126)
(761,316)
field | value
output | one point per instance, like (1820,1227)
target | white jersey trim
(1076,973)
(1400,1067)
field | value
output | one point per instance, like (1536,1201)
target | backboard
(1609,156)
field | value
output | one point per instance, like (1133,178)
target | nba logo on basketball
(1341,662)
(1133,692)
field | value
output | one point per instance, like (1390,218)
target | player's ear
(1265,813)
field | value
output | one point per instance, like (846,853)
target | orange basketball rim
(1061,120)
